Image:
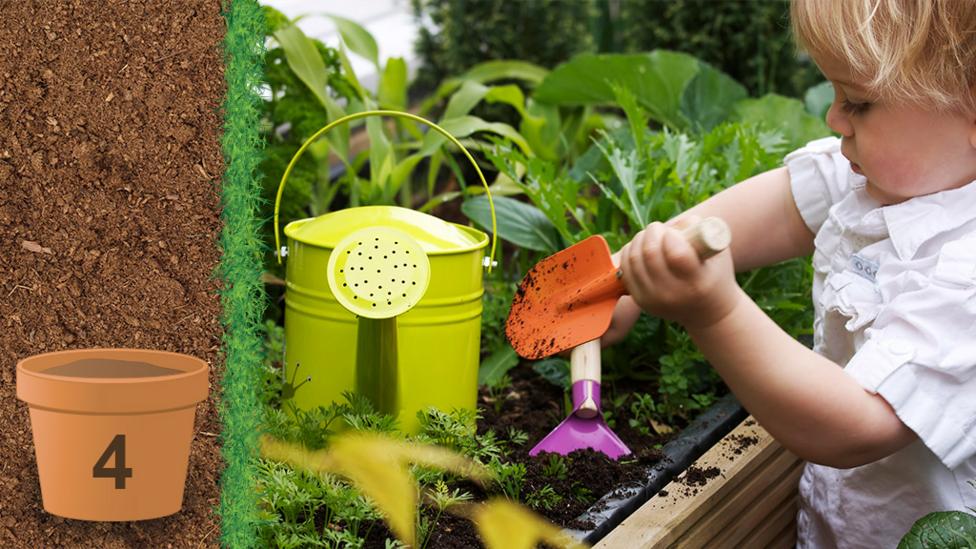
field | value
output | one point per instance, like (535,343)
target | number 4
(120,472)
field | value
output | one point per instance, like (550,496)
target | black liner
(703,433)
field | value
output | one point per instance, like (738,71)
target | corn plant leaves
(945,530)
(463,126)
(379,467)
(488,71)
(304,60)
(392,92)
(519,223)
(359,40)
(505,525)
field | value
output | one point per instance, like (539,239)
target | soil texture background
(110,163)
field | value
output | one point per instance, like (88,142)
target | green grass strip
(242,295)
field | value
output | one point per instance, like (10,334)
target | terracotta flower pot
(112,429)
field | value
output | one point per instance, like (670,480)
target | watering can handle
(397,114)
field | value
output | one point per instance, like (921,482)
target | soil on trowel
(110,162)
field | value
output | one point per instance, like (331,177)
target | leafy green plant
(441,499)
(543,498)
(555,466)
(509,477)
(944,529)
(378,467)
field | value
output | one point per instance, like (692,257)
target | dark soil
(110,161)
(533,405)
(696,476)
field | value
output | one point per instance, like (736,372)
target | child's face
(903,151)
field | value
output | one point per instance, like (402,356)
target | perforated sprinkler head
(378,272)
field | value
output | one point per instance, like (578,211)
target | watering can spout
(378,273)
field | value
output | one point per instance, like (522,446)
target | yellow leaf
(661,428)
(506,525)
(379,467)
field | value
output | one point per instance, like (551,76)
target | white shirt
(894,296)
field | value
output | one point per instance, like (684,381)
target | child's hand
(665,277)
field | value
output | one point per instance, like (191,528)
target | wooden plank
(780,525)
(759,497)
(665,518)
(786,539)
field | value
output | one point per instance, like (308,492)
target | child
(884,407)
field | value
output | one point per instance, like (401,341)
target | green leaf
(818,99)
(392,92)
(461,103)
(784,114)
(491,71)
(488,71)
(509,94)
(519,223)
(359,40)
(710,97)
(463,126)
(305,62)
(555,370)
(497,365)
(942,530)
(381,158)
(657,79)
(353,79)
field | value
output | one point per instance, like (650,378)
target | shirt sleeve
(920,355)
(819,177)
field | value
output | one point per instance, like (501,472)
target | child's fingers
(680,256)
(652,253)
(683,222)
(630,259)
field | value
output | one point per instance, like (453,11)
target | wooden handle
(584,363)
(709,236)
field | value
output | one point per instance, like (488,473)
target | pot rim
(74,394)
(27,366)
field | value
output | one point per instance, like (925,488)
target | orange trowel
(568,298)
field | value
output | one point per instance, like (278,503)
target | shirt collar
(916,221)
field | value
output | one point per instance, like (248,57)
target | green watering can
(383,301)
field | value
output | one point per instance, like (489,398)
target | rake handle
(708,237)
(584,365)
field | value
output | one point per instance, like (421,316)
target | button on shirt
(894,296)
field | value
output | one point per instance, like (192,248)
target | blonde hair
(920,52)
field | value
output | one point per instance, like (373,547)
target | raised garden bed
(741,493)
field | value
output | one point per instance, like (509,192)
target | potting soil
(106,368)
(110,162)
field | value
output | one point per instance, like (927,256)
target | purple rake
(585,426)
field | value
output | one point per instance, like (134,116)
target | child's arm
(758,210)
(806,401)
